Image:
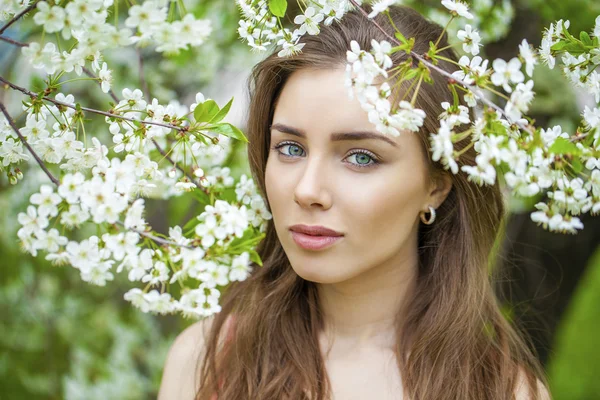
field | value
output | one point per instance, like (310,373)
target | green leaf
(222,113)
(228,130)
(577,166)
(201,196)
(206,111)
(255,258)
(411,74)
(278,7)
(558,46)
(563,146)
(574,48)
(400,37)
(585,38)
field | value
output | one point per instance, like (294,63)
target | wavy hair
(456,342)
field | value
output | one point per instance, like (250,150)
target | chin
(317,274)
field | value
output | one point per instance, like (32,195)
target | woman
(375,280)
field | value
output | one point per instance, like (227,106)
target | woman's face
(328,167)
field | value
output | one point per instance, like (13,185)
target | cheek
(276,188)
(382,210)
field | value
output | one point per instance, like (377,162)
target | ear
(438,190)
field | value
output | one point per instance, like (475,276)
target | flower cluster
(217,252)
(260,26)
(87,22)
(538,160)
(362,71)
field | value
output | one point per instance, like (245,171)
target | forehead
(318,98)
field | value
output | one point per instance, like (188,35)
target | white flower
(309,21)
(136,297)
(442,147)
(505,73)
(134,217)
(185,185)
(74,216)
(593,85)
(454,116)
(481,173)
(519,100)
(407,117)
(105,76)
(290,49)
(592,117)
(53,18)
(470,69)
(527,54)
(381,51)
(597,27)
(47,201)
(50,241)
(160,273)
(12,152)
(121,244)
(457,8)
(471,39)
(134,98)
(31,221)
(240,268)
(381,6)
(70,186)
(159,303)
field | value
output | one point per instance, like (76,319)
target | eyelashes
(290,149)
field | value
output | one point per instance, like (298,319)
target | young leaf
(228,130)
(585,38)
(563,146)
(278,7)
(206,111)
(254,257)
(400,37)
(222,113)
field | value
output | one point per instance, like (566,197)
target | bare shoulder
(523,393)
(179,379)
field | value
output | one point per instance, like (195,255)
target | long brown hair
(460,344)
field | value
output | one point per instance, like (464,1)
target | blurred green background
(61,338)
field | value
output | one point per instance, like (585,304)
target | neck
(362,311)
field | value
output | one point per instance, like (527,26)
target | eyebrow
(338,136)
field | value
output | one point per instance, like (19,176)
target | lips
(314,237)
(315,230)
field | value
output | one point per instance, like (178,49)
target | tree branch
(24,141)
(107,114)
(475,89)
(14,42)
(91,75)
(57,182)
(19,15)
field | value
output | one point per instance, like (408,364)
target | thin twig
(107,114)
(14,42)
(91,75)
(158,147)
(24,141)
(116,99)
(19,15)
(57,182)
(155,238)
(475,90)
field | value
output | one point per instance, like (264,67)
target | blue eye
(358,158)
(290,150)
(362,159)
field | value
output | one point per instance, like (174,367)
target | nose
(312,190)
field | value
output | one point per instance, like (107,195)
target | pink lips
(314,237)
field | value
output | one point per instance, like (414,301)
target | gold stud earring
(431,218)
